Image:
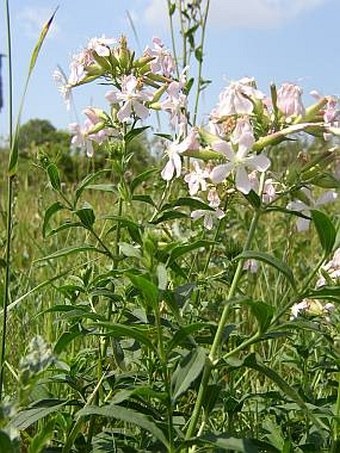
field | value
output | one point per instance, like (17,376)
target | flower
(302,224)
(332,268)
(93,130)
(196,179)
(239,161)
(162,59)
(311,308)
(132,99)
(209,215)
(251,265)
(64,88)
(176,103)
(289,100)
(236,98)
(268,192)
(101,45)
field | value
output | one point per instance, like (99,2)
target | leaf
(6,445)
(253,199)
(86,215)
(121,330)
(181,250)
(169,215)
(69,251)
(128,416)
(272,261)
(144,198)
(190,202)
(138,180)
(51,210)
(324,293)
(66,337)
(134,133)
(187,371)
(53,174)
(325,229)
(41,409)
(129,250)
(162,277)
(228,443)
(185,332)
(148,289)
(85,182)
(14,151)
(253,361)
(263,313)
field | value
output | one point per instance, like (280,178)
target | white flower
(251,265)
(236,98)
(101,45)
(289,100)
(65,89)
(214,202)
(269,191)
(239,161)
(296,309)
(332,268)
(302,224)
(132,99)
(196,179)
(162,59)
(311,307)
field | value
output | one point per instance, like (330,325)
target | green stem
(336,422)
(9,219)
(219,333)
(172,32)
(200,62)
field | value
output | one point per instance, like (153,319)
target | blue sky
(272,40)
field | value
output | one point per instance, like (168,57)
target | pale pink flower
(83,136)
(64,88)
(162,59)
(132,99)
(311,307)
(174,164)
(196,179)
(251,265)
(236,98)
(269,191)
(239,161)
(78,65)
(289,100)
(209,215)
(332,268)
(302,224)
(176,103)
(101,45)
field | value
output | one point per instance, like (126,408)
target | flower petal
(168,171)
(219,173)
(242,182)
(260,162)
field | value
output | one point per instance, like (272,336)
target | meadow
(171,290)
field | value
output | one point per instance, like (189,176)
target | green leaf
(66,337)
(187,371)
(184,332)
(120,330)
(138,180)
(181,250)
(228,443)
(324,293)
(148,289)
(14,151)
(51,210)
(253,199)
(169,215)
(6,445)
(85,182)
(190,202)
(134,133)
(41,409)
(272,261)
(86,215)
(53,174)
(325,229)
(162,277)
(129,250)
(263,313)
(253,361)
(144,198)
(69,251)
(128,416)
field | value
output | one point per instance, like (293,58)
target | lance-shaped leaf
(187,371)
(326,230)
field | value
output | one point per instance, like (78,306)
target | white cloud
(32,19)
(242,13)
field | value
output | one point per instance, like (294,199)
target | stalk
(9,219)
(219,333)
(200,62)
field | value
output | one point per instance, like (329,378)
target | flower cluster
(331,270)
